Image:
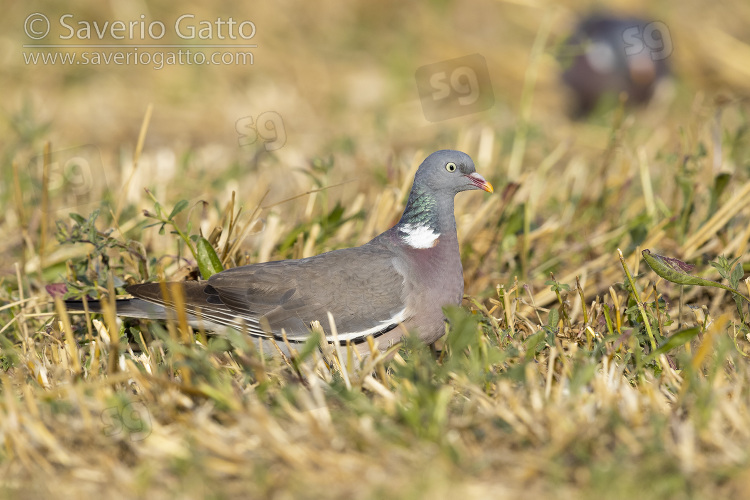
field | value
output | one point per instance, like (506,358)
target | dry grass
(536,391)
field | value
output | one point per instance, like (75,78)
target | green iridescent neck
(422,209)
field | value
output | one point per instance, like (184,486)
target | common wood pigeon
(402,276)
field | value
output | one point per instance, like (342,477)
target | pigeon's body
(403,276)
(427,245)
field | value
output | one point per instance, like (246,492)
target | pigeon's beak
(479,181)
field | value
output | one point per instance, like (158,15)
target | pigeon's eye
(450,166)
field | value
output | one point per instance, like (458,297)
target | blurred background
(349,92)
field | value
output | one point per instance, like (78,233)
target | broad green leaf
(181,205)
(208,261)
(737,273)
(676,271)
(534,343)
(680,338)
(553,318)
(80,220)
(463,328)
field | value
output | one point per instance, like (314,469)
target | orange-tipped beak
(480,182)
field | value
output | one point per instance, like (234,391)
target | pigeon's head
(450,172)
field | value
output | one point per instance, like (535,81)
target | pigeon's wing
(361,287)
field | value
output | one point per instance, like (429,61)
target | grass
(557,377)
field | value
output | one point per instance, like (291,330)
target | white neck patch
(419,236)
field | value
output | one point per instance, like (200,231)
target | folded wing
(360,287)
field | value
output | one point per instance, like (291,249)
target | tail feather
(132,308)
(148,303)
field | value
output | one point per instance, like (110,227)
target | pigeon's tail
(131,308)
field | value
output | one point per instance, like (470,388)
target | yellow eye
(450,166)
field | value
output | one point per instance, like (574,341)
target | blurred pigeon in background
(609,55)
